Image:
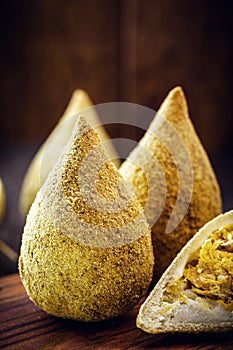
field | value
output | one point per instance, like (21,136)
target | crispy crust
(81,263)
(195,314)
(170,137)
(50,150)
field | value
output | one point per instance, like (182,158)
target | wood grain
(25,326)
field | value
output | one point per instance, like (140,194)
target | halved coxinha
(195,293)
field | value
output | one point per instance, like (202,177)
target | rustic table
(25,326)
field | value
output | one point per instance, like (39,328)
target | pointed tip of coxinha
(86,249)
(50,150)
(176,97)
(79,101)
(174,108)
(188,188)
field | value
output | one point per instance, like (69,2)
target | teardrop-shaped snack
(195,293)
(2,201)
(171,169)
(51,149)
(86,250)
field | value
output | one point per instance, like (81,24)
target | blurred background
(118,50)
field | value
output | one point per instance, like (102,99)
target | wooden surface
(24,326)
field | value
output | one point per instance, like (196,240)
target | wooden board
(25,326)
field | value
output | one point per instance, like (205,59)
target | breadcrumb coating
(170,125)
(79,258)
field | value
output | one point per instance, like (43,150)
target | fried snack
(86,250)
(2,201)
(189,185)
(195,293)
(51,149)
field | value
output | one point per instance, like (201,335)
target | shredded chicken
(209,272)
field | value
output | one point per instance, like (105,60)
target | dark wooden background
(133,51)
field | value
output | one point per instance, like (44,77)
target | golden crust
(166,312)
(72,263)
(51,149)
(73,281)
(107,183)
(172,124)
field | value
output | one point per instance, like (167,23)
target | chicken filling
(209,271)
